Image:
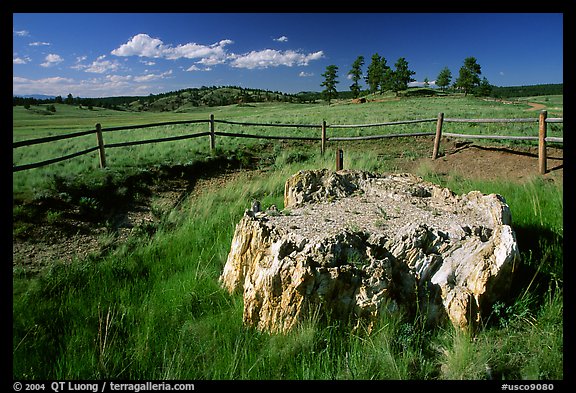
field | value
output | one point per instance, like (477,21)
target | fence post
(212,135)
(323,143)
(339,160)
(438,136)
(542,142)
(100,145)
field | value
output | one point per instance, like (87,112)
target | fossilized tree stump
(352,244)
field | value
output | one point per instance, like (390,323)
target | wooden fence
(101,147)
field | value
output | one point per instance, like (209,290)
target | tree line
(208,96)
(380,77)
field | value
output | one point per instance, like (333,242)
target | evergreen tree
(484,89)
(375,73)
(469,76)
(330,81)
(356,74)
(444,78)
(402,75)
(384,81)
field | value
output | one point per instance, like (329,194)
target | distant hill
(180,100)
(36,96)
(527,91)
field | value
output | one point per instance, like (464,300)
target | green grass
(28,124)
(153,308)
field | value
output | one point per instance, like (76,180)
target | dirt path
(535,106)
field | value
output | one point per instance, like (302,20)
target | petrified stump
(350,244)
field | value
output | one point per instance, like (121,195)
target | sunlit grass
(152,308)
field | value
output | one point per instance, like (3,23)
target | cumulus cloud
(20,60)
(51,60)
(140,45)
(152,77)
(303,74)
(39,43)
(273,58)
(101,66)
(143,45)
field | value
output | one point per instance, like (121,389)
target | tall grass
(153,309)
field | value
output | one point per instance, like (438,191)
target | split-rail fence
(101,147)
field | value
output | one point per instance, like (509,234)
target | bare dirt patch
(42,239)
(535,106)
(517,164)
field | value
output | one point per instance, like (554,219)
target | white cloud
(421,84)
(21,33)
(105,86)
(50,86)
(281,39)
(101,66)
(303,74)
(273,58)
(148,63)
(51,60)
(143,45)
(140,45)
(152,77)
(20,60)
(118,78)
(38,43)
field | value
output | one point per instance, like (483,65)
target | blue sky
(100,55)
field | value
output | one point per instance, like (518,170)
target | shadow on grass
(540,271)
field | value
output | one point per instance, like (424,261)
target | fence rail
(542,137)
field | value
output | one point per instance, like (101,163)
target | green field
(34,123)
(152,308)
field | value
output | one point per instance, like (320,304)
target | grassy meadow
(153,309)
(35,123)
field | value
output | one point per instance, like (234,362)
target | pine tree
(330,81)
(469,76)
(444,78)
(374,74)
(356,75)
(402,75)
(484,89)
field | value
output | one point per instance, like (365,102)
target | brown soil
(535,106)
(74,236)
(71,236)
(469,160)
